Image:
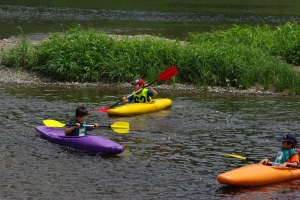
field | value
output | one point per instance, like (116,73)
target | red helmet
(139,81)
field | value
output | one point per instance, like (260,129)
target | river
(171,154)
(165,18)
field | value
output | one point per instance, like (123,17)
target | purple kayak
(92,143)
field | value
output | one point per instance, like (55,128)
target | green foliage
(21,56)
(238,57)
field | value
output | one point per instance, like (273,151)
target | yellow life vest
(142,97)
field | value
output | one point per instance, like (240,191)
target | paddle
(241,157)
(118,127)
(165,75)
(254,160)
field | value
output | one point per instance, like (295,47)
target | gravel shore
(10,76)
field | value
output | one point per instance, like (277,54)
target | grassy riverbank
(238,57)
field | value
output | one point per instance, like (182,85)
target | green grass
(241,57)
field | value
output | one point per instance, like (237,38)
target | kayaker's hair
(291,142)
(81,111)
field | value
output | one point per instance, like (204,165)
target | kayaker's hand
(125,99)
(148,87)
(283,165)
(69,130)
(96,125)
(288,164)
(77,125)
(264,161)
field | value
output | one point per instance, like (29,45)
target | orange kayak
(257,174)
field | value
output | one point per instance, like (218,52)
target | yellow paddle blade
(235,156)
(120,127)
(123,131)
(53,123)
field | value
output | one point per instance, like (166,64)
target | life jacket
(298,151)
(142,97)
(283,155)
(82,130)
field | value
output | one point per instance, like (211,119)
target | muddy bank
(10,76)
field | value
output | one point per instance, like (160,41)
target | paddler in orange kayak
(286,155)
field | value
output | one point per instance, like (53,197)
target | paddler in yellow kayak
(144,95)
(286,155)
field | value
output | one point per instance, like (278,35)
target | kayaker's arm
(152,90)
(125,99)
(265,161)
(69,130)
(93,127)
(286,164)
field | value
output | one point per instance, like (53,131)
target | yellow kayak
(140,108)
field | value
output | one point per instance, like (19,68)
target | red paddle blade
(168,73)
(101,110)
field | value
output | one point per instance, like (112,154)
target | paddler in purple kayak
(144,95)
(286,155)
(79,128)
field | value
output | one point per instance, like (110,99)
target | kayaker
(286,156)
(143,96)
(80,120)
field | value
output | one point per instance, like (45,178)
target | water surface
(171,154)
(171,19)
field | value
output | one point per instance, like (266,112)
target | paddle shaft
(119,127)
(256,160)
(288,165)
(87,125)
(252,159)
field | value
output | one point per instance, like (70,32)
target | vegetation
(238,57)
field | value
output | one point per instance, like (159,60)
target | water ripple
(12,14)
(172,154)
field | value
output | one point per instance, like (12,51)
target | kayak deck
(140,108)
(92,143)
(257,174)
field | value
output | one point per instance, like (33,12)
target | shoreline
(9,76)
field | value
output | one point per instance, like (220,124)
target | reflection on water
(282,190)
(171,20)
(11,14)
(146,121)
